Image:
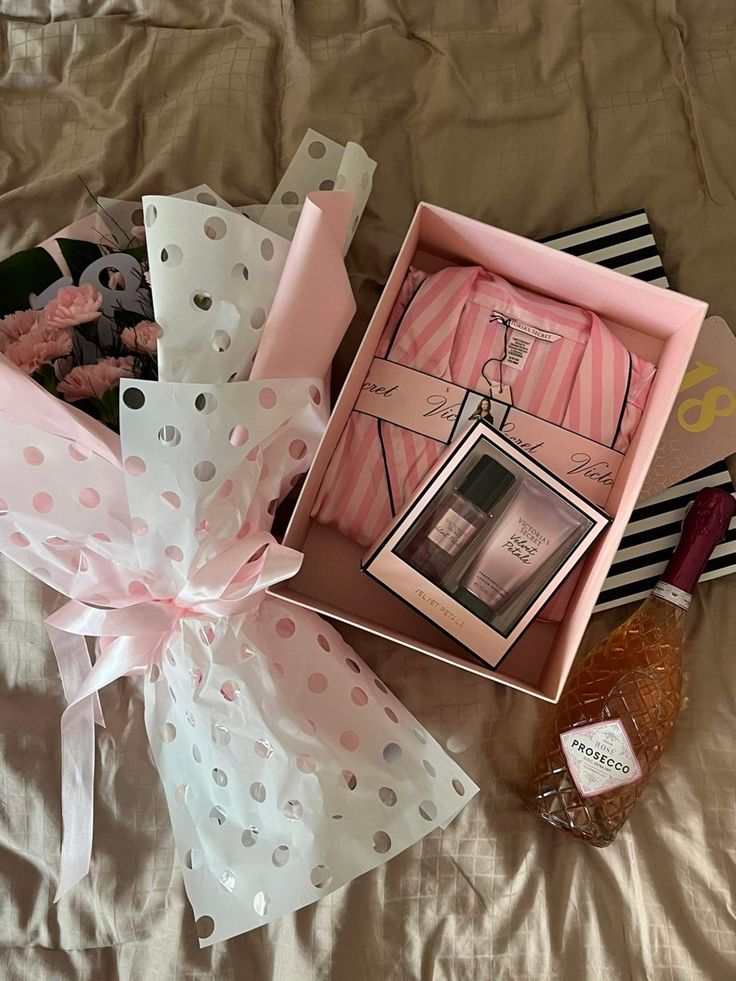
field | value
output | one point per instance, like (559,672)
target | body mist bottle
(456,520)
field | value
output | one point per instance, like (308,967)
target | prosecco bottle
(620,705)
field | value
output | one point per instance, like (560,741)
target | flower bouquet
(288,766)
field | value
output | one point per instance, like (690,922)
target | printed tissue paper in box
(288,767)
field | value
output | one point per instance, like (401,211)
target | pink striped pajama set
(450,324)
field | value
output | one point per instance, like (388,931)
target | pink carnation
(142,337)
(91,381)
(72,305)
(38,347)
(17,324)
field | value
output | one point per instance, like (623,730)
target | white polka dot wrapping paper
(209,265)
(288,767)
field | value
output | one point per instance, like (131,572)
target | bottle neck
(688,562)
(705,525)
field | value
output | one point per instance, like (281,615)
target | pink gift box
(660,325)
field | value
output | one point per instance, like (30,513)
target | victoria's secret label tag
(442,410)
(600,757)
(518,347)
(536,332)
(411,399)
(500,392)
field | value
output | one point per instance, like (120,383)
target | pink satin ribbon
(133,633)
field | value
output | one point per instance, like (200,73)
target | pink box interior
(657,324)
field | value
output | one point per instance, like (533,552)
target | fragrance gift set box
(658,325)
(485,543)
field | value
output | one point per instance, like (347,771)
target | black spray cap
(486,483)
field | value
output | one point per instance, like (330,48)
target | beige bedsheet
(536,115)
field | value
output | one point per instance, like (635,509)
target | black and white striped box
(627,244)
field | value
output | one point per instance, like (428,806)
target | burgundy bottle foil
(705,525)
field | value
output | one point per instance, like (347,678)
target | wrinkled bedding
(536,115)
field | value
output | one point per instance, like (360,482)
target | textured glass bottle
(620,705)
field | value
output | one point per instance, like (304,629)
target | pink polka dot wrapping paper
(288,767)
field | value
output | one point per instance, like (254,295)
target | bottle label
(673,595)
(451,532)
(486,587)
(600,757)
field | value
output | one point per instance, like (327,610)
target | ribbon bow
(132,634)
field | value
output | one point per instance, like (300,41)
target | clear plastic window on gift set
(493,536)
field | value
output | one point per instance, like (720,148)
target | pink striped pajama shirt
(444,324)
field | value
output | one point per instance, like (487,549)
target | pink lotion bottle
(456,520)
(529,538)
